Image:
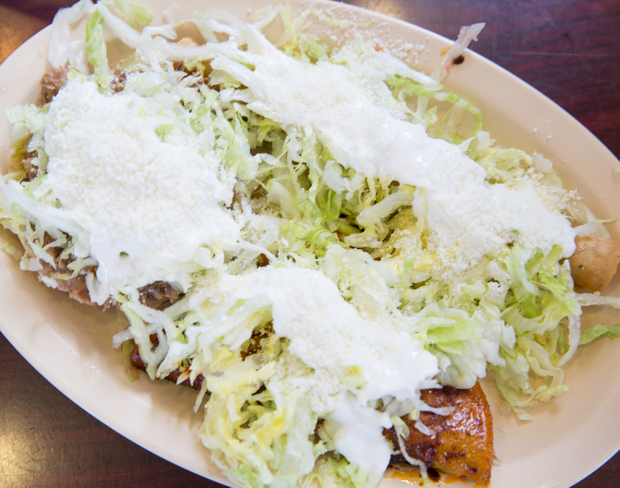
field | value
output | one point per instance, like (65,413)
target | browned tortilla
(463,442)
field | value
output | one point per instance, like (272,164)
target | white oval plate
(70,344)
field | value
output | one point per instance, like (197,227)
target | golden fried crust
(463,442)
(594,262)
(188,41)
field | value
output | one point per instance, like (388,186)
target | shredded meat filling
(52,82)
(136,362)
(158,295)
(75,287)
(118,83)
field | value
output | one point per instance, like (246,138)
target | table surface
(567,49)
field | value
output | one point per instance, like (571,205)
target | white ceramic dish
(70,344)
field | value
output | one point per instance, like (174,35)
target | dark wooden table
(568,49)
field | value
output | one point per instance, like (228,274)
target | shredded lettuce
(60,50)
(96,49)
(136,15)
(600,330)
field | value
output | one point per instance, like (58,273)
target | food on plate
(594,262)
(318,238)
(463,442)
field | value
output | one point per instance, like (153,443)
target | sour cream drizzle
(331,338)
(353,113)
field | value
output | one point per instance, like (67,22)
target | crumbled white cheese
(340,351)
(147,205)
(354,116)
